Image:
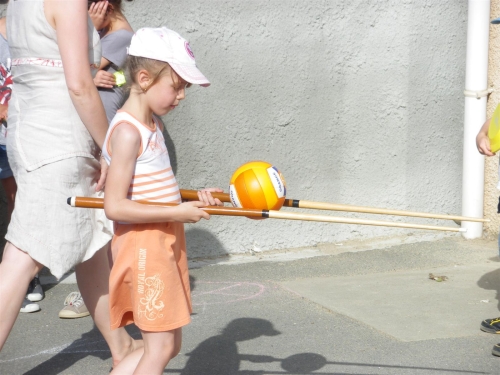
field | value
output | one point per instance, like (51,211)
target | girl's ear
(143,79)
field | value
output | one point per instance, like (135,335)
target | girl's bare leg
(93,278)
(16,271)
(159,349)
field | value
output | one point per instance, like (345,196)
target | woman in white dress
(57,125)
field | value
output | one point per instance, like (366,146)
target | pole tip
(71,201)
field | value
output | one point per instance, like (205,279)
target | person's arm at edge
(482,140)
(5,90)
(3,27)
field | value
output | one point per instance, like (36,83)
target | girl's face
(166,94)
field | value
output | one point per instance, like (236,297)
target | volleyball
(258,185)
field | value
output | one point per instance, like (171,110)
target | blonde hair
(156,68)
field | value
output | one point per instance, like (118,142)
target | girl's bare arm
(125,144)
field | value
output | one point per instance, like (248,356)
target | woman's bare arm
(69,19)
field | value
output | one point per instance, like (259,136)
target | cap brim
(496,21)
(190,74)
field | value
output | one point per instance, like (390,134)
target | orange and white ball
(258,185)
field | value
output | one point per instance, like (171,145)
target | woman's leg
(93,281)
(16,271)
(159,349)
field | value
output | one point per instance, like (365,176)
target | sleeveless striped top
(153,178)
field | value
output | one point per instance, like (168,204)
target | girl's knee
(169,350)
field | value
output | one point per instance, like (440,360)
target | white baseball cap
(166,45)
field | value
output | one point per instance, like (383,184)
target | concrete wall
(355,102)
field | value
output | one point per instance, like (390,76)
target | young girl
(149,282)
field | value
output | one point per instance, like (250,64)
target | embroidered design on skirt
(151,306)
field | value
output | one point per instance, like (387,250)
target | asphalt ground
(312,311)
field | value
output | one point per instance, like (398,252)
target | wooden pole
(224,197)
(87,202)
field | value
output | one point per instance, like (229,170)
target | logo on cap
(188,49)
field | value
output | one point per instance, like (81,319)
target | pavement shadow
(219,354)
(192,282)
(74,352)
(90,343)
(491,281)
(206,244)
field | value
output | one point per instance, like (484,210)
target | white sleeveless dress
(50,151)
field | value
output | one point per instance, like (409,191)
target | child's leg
(159,349)
(93,277)
(16,271)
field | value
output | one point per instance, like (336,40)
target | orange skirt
(149,281)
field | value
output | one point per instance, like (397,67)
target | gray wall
(355,102)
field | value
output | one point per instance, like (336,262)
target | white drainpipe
(476,81)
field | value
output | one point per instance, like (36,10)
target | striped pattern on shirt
(153,178)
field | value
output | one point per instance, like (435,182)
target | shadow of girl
(219,354)
(491,281)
